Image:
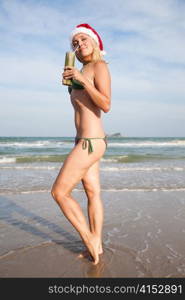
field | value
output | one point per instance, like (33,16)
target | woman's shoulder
(99,65)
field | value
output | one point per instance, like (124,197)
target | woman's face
(85,46)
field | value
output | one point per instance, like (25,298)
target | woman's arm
(101,93)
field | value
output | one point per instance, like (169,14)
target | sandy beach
(143,236)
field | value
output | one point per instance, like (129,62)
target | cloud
(23,17)
(145,45)
(27,72)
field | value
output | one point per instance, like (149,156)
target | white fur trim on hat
(86,31)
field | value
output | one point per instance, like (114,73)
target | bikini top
(75,85)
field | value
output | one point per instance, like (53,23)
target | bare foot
(92,245)
(86,253)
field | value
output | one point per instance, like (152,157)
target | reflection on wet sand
(143,237)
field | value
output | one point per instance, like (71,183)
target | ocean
(31,164)
(143,194)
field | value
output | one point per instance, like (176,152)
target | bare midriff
(88,121)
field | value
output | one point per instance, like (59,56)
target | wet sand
(144,236)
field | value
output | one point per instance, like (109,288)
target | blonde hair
(96,53)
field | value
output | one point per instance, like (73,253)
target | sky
(144,41)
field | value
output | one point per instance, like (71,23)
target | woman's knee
(58,194)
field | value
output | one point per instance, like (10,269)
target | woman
(90,93)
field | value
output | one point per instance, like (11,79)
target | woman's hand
(73,73)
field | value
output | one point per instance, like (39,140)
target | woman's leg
(91,183)
(73,170)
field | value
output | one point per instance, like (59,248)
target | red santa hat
(87,29)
